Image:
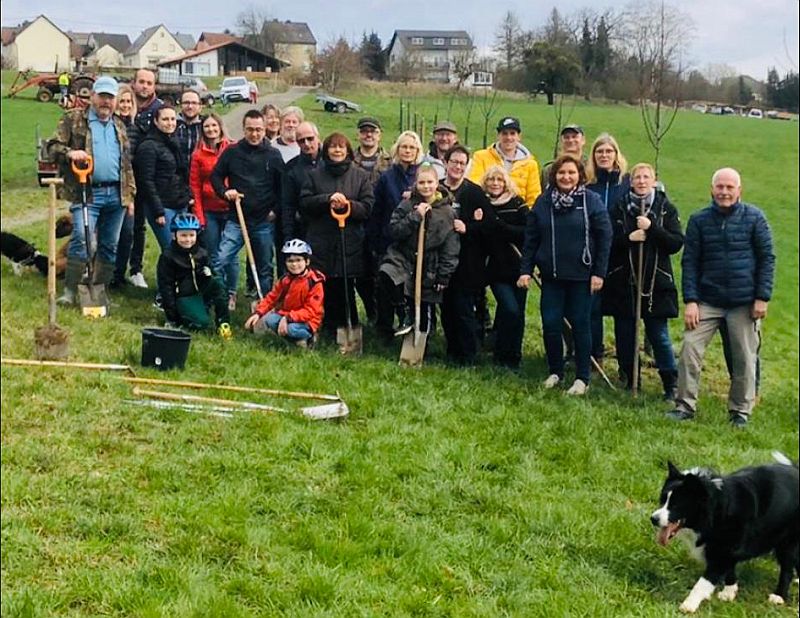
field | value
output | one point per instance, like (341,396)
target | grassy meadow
(447,492)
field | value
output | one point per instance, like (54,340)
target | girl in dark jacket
(474,219)
(162,175)
(646,216)
(605,175)
(440,253)
(568,236)
(333,184)
(503,265)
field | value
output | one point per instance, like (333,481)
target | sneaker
(738,420)
(578,388)
(232,301)
(67,298)
(138,280)
(301,343)
(224,331)
(551,380)
(680,415)
(157,303)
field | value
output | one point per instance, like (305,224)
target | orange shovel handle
(341,217)
(83,172)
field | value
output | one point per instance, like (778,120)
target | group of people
(344,216)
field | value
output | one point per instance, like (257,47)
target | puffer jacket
(524,170)
(388,194)
(181,272)
(505,240)
(322,231)
(299,297)
(559,243)
(664,238)
(162,174)
(610,187)
(441,248)
(728,259)
(205,198)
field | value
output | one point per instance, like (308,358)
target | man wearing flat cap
(445,136)
(370,155)
(96,133)
(509,153)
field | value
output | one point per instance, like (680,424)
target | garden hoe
(413,350)
(249,250)
(93,299)
(349,337)
(52,341)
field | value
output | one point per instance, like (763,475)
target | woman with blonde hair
(504,246)
(272,120)
(393,186)
(605,175)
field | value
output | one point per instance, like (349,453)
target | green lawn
(448,492)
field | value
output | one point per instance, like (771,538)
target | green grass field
(447,492)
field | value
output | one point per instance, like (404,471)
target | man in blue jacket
(728,270)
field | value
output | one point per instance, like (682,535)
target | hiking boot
(137,280)
(578,388)
(551,381)
(738,420)
(680,415)
(72,277)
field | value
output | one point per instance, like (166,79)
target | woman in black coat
(336,182)
(504,246)
(162,175)
(646,216)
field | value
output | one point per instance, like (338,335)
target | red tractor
(80,85)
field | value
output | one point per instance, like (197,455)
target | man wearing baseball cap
(571,141)
(508,152)
(96,133)
(445,136)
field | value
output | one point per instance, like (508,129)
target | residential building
(38,45)
(446,56)
(291,42)
(106,50)
(222,59)
(152,46)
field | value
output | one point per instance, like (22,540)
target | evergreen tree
(373,60)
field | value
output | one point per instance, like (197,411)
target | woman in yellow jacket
(509,153)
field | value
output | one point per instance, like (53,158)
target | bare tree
(407,68)
(338,62)
(658,34)
(507,39)
(250,26)
(462,64)
(488,107)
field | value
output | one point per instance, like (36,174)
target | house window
(482,78)
(417,40)
(438,41)
(458,41)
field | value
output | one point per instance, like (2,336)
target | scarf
(502,199)
(564,201)
(640,204)
(337,169)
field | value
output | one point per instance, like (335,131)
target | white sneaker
(551,381)
(578,388)
(138,280)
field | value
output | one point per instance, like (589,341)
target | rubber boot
(103,275)
(669,378)
(72,277)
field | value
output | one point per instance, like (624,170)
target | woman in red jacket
(211,210)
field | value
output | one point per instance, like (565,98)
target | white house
(433,55)
(106,50)
(38,45)
(151,47)
(221,59)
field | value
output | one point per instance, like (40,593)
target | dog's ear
(674,473)
(63,226)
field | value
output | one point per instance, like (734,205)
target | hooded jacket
(181,272)
(205,198)
(298,297)
(388,195)
(524,170)
(162,173)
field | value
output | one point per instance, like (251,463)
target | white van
(755,113)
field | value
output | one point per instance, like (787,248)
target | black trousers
(460,323)
(335,314)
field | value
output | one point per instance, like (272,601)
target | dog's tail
(782,459)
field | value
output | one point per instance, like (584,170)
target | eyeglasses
(190,103)
(303,140)
(459,163)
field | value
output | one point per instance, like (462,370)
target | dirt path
(233,119)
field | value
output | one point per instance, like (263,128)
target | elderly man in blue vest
(728,270)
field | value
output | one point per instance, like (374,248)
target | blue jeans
(212,236)
(509,322)
(124,247)
(163,235)
(571,300)
(261,239)
(105,220)
(296,330)
(657,333)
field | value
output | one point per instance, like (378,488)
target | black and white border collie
(729,519)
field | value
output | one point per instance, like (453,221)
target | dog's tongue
(666,533)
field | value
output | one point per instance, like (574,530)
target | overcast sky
(749,36)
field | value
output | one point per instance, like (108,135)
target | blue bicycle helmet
(296,247)
(184,222)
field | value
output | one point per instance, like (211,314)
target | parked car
(235,89)
(716,109)
(699,107)
(728,110)
(755,113)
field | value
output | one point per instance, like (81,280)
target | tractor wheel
(44,95)
(341,108)
(329,107)
(82,87)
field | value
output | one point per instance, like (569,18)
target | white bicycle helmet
(296,247)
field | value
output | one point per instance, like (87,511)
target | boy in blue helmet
(187,286)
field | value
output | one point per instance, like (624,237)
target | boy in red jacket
(294,307)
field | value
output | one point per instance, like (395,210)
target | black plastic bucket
(164,348)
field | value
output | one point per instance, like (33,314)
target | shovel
(52,341)
(349,338)
(251,260)
(93,299)
(413,350)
